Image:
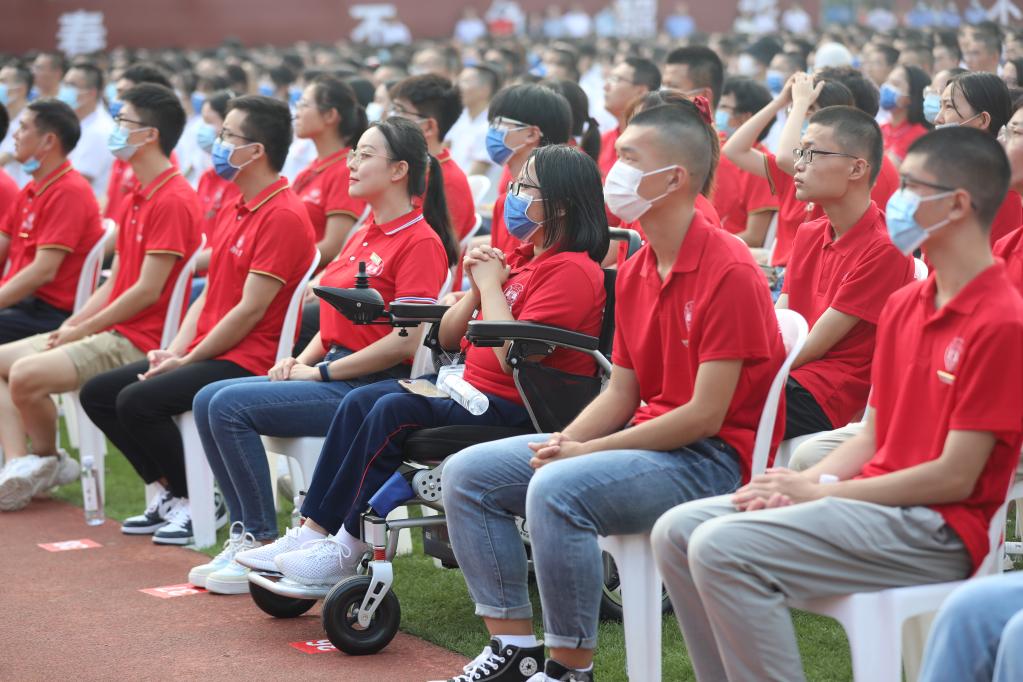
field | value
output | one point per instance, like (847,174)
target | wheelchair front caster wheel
(278,606)
(341,618)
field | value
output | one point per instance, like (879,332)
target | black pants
(28,317)
(310,325)
(802,413)
(137,416)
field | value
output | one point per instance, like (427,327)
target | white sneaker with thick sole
(233,578)
(16,484)
(320,562)
(262,558)
(178,530)
(67,471)
(197,576)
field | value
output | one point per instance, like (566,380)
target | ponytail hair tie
(703,106)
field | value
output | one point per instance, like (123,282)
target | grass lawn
(435,604)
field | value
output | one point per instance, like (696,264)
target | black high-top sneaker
(502,664)
(556,671)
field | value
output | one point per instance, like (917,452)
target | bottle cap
(88,461)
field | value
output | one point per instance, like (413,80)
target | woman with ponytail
(555,215)
(408,252)
(585,130)
(329,114)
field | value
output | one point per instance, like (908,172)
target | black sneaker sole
(172,541)
(142,530)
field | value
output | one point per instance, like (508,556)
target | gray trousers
(729,574)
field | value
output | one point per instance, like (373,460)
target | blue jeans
(978,634)
(567,504)
(232,415)
(365,445)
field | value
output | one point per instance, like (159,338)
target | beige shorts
(94,354)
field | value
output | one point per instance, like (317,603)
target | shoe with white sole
(178,529)
(321,562)
(197,576)
(16,481)
(262,558)
(65,471)
(233,578)
(153,518)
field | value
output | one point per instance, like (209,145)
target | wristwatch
(324,373)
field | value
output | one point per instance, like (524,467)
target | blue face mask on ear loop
(519,225)
(497,148)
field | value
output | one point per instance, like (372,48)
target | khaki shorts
(94,354)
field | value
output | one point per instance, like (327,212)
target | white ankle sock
(306,534)
(350,541)
(521,641)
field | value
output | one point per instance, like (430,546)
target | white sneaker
(232,578)
(197,576)
(41,470)
(262,558)
(178,529)
(153,518)
(16,484)
(320,562)
(67,470)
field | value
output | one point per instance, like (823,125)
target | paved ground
(79,615)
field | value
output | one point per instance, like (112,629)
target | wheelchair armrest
(492,334)
(631,237)
(416,312)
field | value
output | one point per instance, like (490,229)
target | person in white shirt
(193,160)
(468,136)
(83,84)
(577,23)
(796,19)
(15,84)
(470,27)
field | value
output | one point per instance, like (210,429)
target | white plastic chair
(198,474)
(634,558)
(873,620)
(920,270)
(479,185)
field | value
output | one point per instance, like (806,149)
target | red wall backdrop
(32,24)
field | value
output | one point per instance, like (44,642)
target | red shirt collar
(689,254)
(444,156)
(400,223)
(320,165)
(269,192)
(857,234)
(37,188)
(146,193)
(523,256)
(978,289)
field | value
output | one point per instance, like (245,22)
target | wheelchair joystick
(362,279)
(361,304)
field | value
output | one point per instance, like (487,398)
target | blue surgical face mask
(118,143)
(68,94)
(221,153)
(294,94)
(932,105)
(3,94)
(115,107)
(775,81)
(266,90)
(900,216)
(198,99)
(205,136)
(889,97)
(110,92)
(497,147)
(721,119)
(519,225)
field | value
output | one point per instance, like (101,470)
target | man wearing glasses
(630,78)
(123,320)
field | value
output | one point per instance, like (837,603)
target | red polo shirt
(1010,249)
(60,212)
(898,139)
(738,194)
(270,235)
(8,193)
(404,259)
(558,288)
(954,368)
(714,305)
(458,196)
(1008,218)
(854,275)
(791,211)
(608,153)
(702,204)
(162,217)
(214,193)
(120,186)
(323,188)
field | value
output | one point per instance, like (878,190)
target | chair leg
(91,441)
(875,641)
(641,603)
(200,483)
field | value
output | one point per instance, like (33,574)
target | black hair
(364,89)
(268,122)
(23,74)
(890,54)
(571,189)
(218,101)
(750,97)
(93,76)
(281,76)
(537,106)
(918,80)
(189,81)
(705,68)
(764,49)
(833,94)
(567,58)
(57,59)
(5,121)
(644,72)
(583,125)
(433,96)
(950,44)
(489,73)
(237,78)
(680,122)
(985,92)
(966,158)
(989,35)
(159,107)
(796,60)
(856,133)
(1018,65)
(146,73)
(332,93)
(865,93)
(406,143)
(54,116)
(293,61)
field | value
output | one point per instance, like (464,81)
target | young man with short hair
(467,137)
(82,91)
(696,348)
(50,228)
(122,321)
(630,78)
(916,491)
(48,71)
(15,86)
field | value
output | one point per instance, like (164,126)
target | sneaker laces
(180,514)
(155,503)
(484,664)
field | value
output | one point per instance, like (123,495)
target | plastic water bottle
(466,395)
(296,513)
(91,497)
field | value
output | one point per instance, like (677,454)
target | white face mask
(621,191)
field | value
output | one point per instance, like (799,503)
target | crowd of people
(762,173)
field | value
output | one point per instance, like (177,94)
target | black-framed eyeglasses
(121,119)
(808,155)
(400,112)
(224,132)
(910,180)
(515,188)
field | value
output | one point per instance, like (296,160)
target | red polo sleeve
(989,393)
(567,296)
(422,270)
(64,231)
(733,325)
(757,195)
(277,253)
(169,227)
(880,271)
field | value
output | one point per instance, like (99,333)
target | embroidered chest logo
(314,196)
(28,224)
(687,317)
(953,354)
(375,266)
(239,247)
(512,292)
